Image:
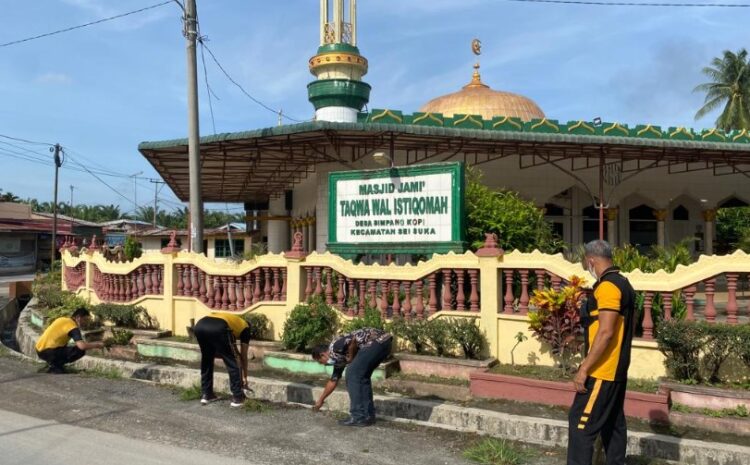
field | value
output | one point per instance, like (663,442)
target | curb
(442,415)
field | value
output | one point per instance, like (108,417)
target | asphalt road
(72,418)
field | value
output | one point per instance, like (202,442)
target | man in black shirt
(362,350)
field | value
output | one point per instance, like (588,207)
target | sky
(101,90)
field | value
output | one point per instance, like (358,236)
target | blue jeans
(358,382)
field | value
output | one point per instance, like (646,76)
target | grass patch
(103,372)
(738,412)
(191,393)
(491,451)
(556,374)
(255,406)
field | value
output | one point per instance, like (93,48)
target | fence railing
(488,284)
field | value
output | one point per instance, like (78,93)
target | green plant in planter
(120,337)
(371,319)
(557,321)
(438,333)
(309,324)
(719,343)
(468,336)
(126,316)
(259,326)
(681,343)
(412,331)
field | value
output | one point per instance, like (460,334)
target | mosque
(652,185)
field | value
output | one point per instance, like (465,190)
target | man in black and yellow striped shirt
(608,319)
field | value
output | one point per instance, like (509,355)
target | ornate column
(709,217)
(612,225)
(661,218)
(310,245)
(278,229)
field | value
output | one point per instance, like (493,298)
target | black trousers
(358,383)
(215,338)
(598,412)
(60,356)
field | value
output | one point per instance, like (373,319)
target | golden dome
(476,98)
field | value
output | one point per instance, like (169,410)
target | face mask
(592,270)
(330,362)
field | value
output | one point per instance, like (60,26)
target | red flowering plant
(556,321)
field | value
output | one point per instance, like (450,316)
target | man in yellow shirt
(217,334)
(608,319)
(53,348)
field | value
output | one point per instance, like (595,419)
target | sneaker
(352,422)
(238,401)
(208,398)
(55,370)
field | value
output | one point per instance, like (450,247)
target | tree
(8,197)
(730,87)
(518,223)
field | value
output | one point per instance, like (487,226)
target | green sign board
(414,210)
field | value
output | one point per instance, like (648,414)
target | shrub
(438,333)
(120,337)
(371,319)
(719,343)
(743,344)
(132,248)
(259,326)
(126,316)
(309,324)
(681,343)
(412,331)
(468,336)
(557,321)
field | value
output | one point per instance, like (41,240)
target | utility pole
(71,206)
(135,190)
(58,163)
(194,157)
(156,183)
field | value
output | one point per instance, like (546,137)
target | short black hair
(80,311)
(318,351)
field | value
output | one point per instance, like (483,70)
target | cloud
(99,9)
(53,79)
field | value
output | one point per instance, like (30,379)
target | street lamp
(381,158)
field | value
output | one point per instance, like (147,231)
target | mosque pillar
(661,218)
(709,217)
(612,225)
(278,229)
(311,233)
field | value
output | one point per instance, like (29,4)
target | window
(591,224)
(642,227)
(222,249)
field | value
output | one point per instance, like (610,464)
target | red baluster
(351,303)
(460,296)
(276,289)
(474,296)
(147,280)
(419,304)
(248,290)
(689,302)
(195,287)
(523,302)
(318,281)
(160,278)
(396,288)
(231,293)
(384,299)
(210,296)
(141,285)
(154,279)
(432,303)
(340,296)
(239,290)
(372,292)
(308,287)
(224,293)
(267,288)
(407,300)
(133,285)
(710,311)
(732,306)
(666,299)
(648,322)
(447,294)
(256,292)
(328,273)
(362,297)
(202,289)
(283,285)
(188,283)
(556,282)
(217,291)
(508,291)
(540,275)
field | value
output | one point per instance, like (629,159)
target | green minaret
(339,93)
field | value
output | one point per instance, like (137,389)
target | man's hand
(579,381)
(318,405)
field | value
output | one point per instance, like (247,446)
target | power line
(646,4)
(26,140)
(202,41)
(102,181)
(80,26)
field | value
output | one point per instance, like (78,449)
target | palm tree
(730,87)
(9,197)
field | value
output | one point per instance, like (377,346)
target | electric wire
(208,86)
(637,4)
(80,26)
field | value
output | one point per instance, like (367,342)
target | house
(216,241)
